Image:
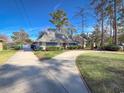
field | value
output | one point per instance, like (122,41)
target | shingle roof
(50,36)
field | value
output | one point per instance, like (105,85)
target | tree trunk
(110,24)
(111,31)
(115,24)
(59,29)
(102,35)
(82,31)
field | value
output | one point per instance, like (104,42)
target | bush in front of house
(17,47)
(38,49)
(5,46)
(73,47)
(79,47)
(111,47)
(53,48)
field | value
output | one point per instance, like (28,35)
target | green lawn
(103,71)
(6,54)
(47,54)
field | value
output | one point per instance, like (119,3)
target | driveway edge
(82,77)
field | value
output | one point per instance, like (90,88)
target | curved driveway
(24,73)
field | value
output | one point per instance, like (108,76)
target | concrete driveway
(24,73)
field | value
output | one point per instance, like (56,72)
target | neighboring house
(1,45)
(2,39)
(80,40)
(52,38)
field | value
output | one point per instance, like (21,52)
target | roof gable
(51,36)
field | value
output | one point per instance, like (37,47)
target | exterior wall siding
(1,46)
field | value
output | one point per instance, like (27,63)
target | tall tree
(121,17)
(71,30)
(20,37)
(59,19)
(99,6)
(81,13)
(116,4)
(95,37)
(115,22)
(109,10)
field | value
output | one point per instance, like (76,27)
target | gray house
(52,38)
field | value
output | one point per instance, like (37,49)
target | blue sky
(33,15)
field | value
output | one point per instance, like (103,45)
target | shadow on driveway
(27,79)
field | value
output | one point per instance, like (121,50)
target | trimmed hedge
(17,47)
(111,47)
(74,47)
(53,48)
(39,49)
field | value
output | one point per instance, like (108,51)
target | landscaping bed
(103,72)
(47,54)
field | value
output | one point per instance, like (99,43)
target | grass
(5,55)
(47,54)
(103,72)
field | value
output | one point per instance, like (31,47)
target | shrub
(53,48)
(17,47)
(110,47)
(74,47)
(71,47)
(5,46)
(61,48)
(39,49)
(79,47)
